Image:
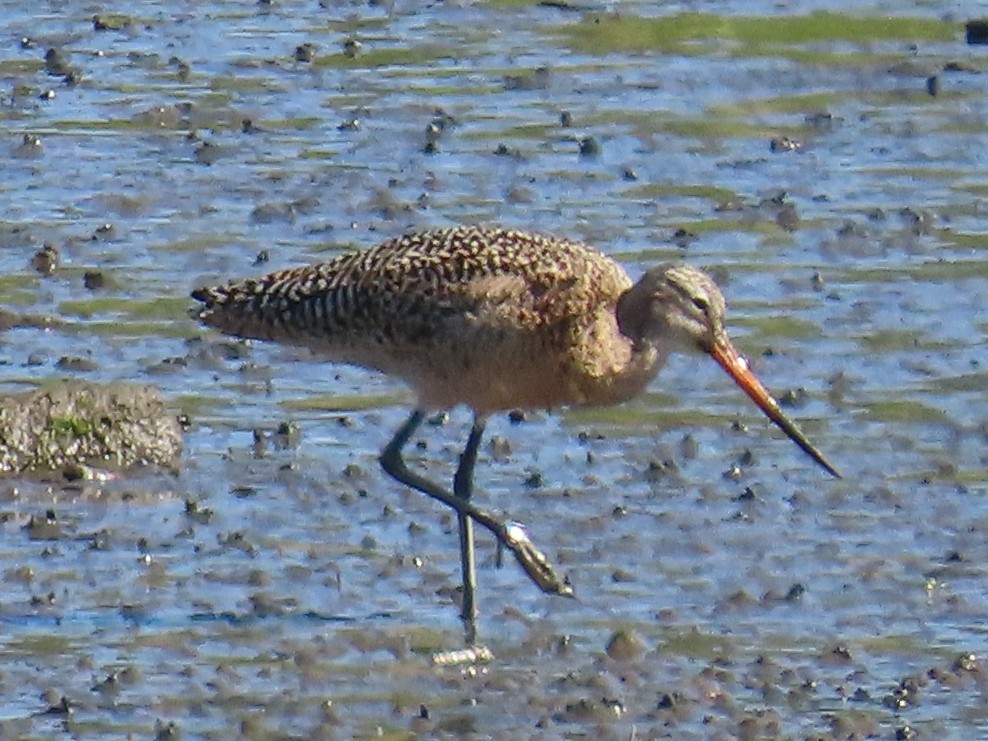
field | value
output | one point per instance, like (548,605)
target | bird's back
(492,318)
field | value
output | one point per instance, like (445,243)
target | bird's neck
(617,367)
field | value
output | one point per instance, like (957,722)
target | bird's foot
(533,560)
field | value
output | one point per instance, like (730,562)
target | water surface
(305,593)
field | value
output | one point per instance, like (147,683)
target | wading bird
(495,320)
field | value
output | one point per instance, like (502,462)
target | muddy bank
(829,167)
(71,429)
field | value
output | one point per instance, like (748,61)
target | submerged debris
(472,655)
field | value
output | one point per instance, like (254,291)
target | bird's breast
(495,366)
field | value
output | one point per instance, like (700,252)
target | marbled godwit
(495,320)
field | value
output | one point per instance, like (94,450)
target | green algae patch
(319,153)
(376,58)
(71,428)
(782,325)
(20,66)
(905,411)
(712,193)
(694,644)
(639,417)
(703,33)
(760,226)
(18,288)
(158,308)
(143,330)
(789,104)
(240,84)
(343,402)
(933,271)
(707,125)
(718,128)
(900,340)
(966,383)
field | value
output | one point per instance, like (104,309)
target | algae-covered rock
(70,427)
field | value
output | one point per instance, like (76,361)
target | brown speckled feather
(491,318)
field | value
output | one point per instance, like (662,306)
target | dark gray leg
(509,535)
(463,489)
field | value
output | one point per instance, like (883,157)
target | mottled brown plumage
(492,319)
(495,320)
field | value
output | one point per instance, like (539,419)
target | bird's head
(675,305)
(681,308)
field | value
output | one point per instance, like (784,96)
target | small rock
(46,260)
(305,52)
(94,280)
(784,144)
(625,645)
(589,147)
(55,63)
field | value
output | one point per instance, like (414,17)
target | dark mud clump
(73,427)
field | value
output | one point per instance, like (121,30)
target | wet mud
(825,163)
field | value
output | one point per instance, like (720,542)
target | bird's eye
(701,303)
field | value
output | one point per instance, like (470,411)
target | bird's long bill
(737,367)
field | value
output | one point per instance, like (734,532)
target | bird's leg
(509,534)
(463,489)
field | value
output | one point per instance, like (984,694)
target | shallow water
(305,595)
